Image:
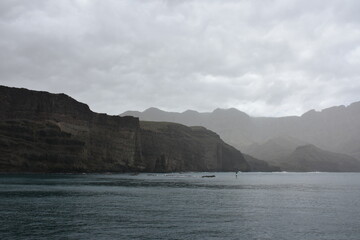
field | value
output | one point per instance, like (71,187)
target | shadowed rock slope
(43,132)
(257,165)
(174,147)
(275,148)
(311,158)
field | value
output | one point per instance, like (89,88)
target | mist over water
(181,206)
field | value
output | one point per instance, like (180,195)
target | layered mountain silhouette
(275,148)
(333,130)
(44,132)
(311,158)
(257,165)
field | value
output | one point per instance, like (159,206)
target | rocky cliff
(171,147)
(43,132)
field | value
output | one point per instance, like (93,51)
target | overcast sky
(267,58)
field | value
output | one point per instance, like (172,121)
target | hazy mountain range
(311,158)
(334,133)
(44,132)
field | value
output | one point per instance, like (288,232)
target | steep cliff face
(43,132)
(171,147)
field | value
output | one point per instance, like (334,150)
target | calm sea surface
(287,206)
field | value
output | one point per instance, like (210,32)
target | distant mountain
(231,124)
(257,165)
(335,129)
(311,158)
(275,148)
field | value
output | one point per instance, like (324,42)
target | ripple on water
(180,206)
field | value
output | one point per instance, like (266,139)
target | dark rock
(43,132)
(257,165)
(171,147)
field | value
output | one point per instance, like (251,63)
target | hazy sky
(267,58)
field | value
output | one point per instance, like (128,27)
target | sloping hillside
(311,158)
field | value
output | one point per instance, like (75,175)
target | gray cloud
(269,58)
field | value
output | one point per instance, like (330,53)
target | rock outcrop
(43,132)
(169,147)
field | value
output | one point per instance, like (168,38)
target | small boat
(208,176)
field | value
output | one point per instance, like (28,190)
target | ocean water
(181,206)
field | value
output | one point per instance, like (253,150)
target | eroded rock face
(43,132)
(171,147)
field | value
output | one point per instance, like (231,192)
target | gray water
(181,206)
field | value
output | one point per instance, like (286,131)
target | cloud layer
(267,58)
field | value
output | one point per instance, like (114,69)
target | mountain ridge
(311,158)
(327,109)
(335,129)
(45,132)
